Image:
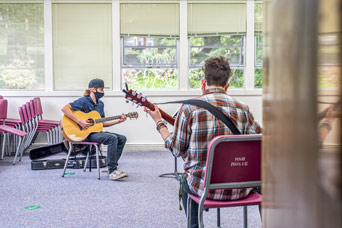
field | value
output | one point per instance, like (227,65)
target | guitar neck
(165,116)
(107,119)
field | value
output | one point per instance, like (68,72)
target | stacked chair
(25,130)
(10,127)
(51,127)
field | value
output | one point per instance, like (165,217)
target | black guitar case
(42,152)
(45,151)
(73,163)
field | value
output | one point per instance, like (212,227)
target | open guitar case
(75,161)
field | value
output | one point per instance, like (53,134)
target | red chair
(233,161)
(9,122)
(3,115)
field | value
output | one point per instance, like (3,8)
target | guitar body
(73,132)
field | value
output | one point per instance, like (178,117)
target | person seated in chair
(116,142)
(195,127)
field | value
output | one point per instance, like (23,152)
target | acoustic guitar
(73,132)
(138,99)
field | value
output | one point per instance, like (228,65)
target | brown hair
(217,71)
(86,93)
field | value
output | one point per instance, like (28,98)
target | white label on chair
(239,161)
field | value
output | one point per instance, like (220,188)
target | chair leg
(17,152)
(67,159)
(218,218)
(98,161)
(245,220)
(200,216)
(260,211)
(48,137)
(188,213)
(89,154)
(21,149)
(86,162)
(3,146)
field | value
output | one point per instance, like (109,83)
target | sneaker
(117,174)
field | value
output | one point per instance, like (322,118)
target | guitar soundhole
(91,121)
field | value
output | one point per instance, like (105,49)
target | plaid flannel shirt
(194,129)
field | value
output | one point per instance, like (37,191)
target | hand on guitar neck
(138,99)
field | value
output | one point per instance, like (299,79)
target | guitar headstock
(132,115)
(137,98)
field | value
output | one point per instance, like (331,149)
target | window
(229,46)
(82,45)
(258,45)
(329,61)
(22,46)
(150,62)
(214,30)
(149,38)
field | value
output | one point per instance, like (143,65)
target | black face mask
(98,95)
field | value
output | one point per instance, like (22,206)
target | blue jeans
(115,143)
(194,206)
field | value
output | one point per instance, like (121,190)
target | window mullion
(116,58)
(48,57)
(183,47)
(249,71)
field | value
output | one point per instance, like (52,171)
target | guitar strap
(213,110)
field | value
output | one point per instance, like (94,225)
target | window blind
(208,19)
(149,19)
(82,45)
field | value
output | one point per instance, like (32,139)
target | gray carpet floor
(141,200)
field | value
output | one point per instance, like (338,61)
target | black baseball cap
(96,83)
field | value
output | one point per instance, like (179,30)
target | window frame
(149,66)
(242,48)
(183,45)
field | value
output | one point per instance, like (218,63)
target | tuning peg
(139,104)
(134,93)
(129,98)
(127,101)
(139,95)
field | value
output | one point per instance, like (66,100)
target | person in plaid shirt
(195,127)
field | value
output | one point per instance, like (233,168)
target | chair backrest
(23,109)
(233,161)
(28,110)
(38,106)
(21,115)
(3,108)
(33,112)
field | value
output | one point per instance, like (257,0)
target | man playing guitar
(116,142)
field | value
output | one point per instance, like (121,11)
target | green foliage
(196,75)
(23,27)
(237,80)
(258,77)
(19,74)
(151,78)
(154,78)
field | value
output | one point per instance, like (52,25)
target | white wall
(141,133)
